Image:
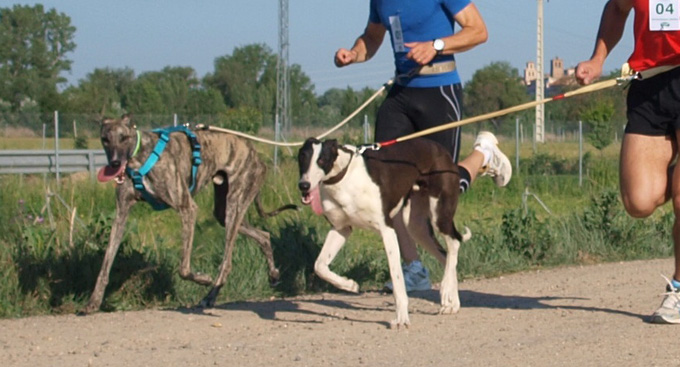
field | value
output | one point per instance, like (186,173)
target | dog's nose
(303,186)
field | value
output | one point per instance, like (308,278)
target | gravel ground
(573,316)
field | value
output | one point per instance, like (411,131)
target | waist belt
(430,69)
(438,68)
(646,74)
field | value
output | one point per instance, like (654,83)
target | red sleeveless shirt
(653,48)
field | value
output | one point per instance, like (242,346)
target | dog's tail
(466,236)
(263,214)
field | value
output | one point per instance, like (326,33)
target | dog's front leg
(334,241)
(123,204)
(187,215)
(389,236)
(450,301)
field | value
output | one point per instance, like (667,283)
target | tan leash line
(299,143)
(587,89)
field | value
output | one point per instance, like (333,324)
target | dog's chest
(355,201)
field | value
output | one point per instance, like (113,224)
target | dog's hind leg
(187,213)
(264,241)
(123,204)
(242,191)
(419,226)
(331,246)
(221,186)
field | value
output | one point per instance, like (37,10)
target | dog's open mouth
(108,173)
(313,198)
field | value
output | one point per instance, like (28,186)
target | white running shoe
(416,277)
(669,311)
(499,167)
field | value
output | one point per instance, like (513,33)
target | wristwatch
(438,45)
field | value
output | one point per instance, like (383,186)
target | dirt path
(579,316)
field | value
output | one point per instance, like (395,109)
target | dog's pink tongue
(108,173)
(315,201)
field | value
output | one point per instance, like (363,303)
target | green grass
(49,265)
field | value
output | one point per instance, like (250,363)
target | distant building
(558,76)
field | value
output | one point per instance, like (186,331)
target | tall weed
(49,262)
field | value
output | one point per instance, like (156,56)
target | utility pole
(539,131)
(282,116)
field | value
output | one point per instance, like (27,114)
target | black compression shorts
(408,110)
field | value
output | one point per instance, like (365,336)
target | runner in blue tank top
(427,90)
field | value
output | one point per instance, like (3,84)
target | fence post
(56,143)
(517,144)
(366,132)
(580,153)
(90,164)
(277,137)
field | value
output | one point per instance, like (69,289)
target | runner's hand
(344,57)
(421,52)
(588,71)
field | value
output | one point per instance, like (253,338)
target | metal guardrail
(45,161)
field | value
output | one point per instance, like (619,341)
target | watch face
(438,44)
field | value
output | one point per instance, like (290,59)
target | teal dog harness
(164,136)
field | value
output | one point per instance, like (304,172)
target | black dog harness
(164,136)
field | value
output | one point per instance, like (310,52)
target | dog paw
(400,323)
(90,308)
(449,310)
(349,286)
(274,277)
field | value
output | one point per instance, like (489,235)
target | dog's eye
(320,161)
(124,138)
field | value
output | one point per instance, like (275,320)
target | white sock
(486,152)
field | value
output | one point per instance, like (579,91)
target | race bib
(663,15)
(397,34)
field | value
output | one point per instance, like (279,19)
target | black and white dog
(415,179)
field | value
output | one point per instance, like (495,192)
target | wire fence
(30,143)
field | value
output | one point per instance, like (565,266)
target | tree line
(239,93)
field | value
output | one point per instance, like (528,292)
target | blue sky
(149,35)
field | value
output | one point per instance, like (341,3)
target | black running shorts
(408,110)
(654,105)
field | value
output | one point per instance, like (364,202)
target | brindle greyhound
(230,162)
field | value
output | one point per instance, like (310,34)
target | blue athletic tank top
(417,21)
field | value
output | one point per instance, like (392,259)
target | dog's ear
(126,119)
(332,145)
(329,153)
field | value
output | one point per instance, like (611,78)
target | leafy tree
(243,119)
(494,87)
(204,101)
(172,85)
(303,103)
(598,117)
(33,54)
(101,92)
(246,78)
(336,104)
(144,98)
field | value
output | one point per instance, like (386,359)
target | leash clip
(364,147)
